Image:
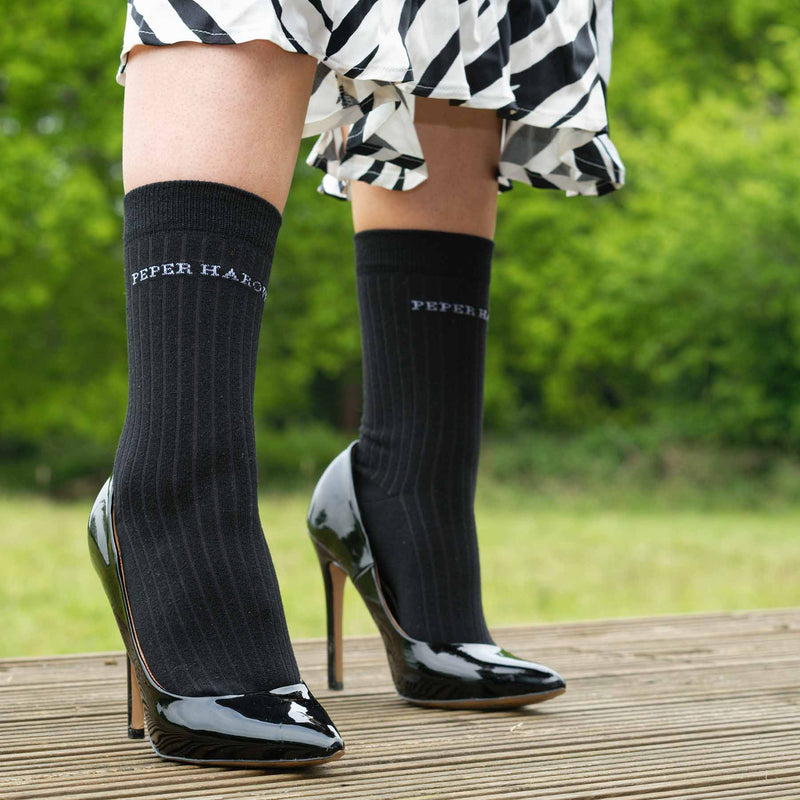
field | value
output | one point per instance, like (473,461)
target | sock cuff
(202,206)
(452,255)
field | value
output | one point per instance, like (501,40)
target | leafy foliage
(674,303)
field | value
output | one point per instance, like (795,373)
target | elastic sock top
(204,206)
(460,255)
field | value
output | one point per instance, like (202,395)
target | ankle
(426,553)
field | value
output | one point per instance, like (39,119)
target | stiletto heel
(444,675)
(280,727)
(135,707)
(334,577)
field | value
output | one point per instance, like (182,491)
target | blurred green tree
(673,303)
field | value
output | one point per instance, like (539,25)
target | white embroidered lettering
(448,307)
(210,270)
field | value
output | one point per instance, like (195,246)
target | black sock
(203,591)
(423,301)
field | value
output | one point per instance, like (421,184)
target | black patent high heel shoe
(280,727)
(446,675)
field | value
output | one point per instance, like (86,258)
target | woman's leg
(211,135)
(461,147)
(423,262)
(226,113)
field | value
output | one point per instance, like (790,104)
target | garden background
(643,389)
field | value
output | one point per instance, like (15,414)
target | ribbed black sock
(423,301)
(203,591)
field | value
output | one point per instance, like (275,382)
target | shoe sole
(489,702)
(288,764)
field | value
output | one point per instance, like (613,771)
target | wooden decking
(699,706)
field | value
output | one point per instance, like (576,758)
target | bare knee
(461,148)
(197,112)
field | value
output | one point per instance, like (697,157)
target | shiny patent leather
(281,727)
(462,675)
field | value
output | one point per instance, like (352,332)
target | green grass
(555,558)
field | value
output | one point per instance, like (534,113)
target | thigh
(461,148)
(226,113)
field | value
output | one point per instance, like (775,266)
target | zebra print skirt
(543,65)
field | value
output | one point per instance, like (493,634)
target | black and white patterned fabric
(543,65)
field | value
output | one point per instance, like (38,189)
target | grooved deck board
(695,706)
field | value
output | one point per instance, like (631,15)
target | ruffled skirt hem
(542,65)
